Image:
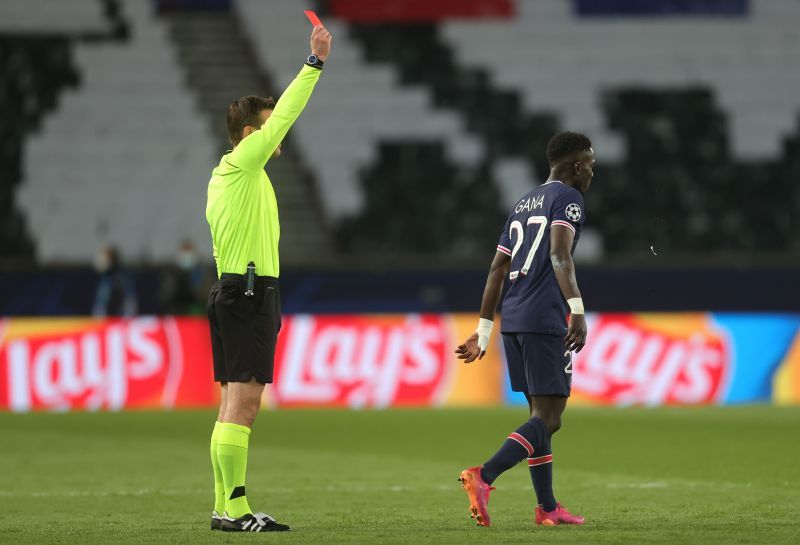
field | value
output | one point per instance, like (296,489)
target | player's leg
(219,486)
(549,372)
(529,399)
(233,335)
(233,438)
(250,326)
(223,404)
(220,373)
(244,401)
(519,445)
(549,410)
(522,442)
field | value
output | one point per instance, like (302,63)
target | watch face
(312,59)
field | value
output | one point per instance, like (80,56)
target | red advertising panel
(652,359)
(64,364)
(376,361)
(394,361)
(150,362)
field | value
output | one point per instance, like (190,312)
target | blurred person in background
(182,285)
(116,289)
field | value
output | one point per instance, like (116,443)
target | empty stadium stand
(569,61)
(125,158)
(417,202)
(36,70)
(129,132)
(680,110)
(76,18)
(417,119)
(37,64)
(493,115)
(356,106)
(496,115)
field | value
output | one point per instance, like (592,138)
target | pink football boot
(478,492)
(557,516)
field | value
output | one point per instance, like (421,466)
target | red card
(313,18)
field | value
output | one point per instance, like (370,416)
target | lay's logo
(91,364)
(649,360)
(363,361)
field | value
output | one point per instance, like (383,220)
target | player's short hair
(565,144)
(243,112)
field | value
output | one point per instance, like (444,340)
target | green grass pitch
(672,476)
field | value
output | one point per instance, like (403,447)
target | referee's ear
(247,131)
(262,118)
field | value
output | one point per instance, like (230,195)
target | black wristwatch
(314,62)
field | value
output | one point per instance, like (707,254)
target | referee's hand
(321,42)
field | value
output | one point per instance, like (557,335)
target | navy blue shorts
(538,364)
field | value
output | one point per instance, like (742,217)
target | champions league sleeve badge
(573,212)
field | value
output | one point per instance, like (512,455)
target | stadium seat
(43,17)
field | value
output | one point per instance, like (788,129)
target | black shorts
(538,364)
(244,330)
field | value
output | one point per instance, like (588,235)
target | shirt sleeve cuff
(566,224)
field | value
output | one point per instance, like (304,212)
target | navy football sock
(541,466)
(520,444)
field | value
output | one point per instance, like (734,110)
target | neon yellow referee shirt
(241,210)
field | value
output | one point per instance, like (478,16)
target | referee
(244,309)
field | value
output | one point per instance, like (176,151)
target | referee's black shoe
(216,521)
(257,522)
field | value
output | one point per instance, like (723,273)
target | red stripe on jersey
(504,250)
(564,224)
(539,461)
(522,441)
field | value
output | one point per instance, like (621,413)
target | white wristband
(575,305)
(484,331)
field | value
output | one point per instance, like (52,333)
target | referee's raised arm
(258,146)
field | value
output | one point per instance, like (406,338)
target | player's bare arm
(561,258)
(475,346)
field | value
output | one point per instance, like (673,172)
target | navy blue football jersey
(534,302)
